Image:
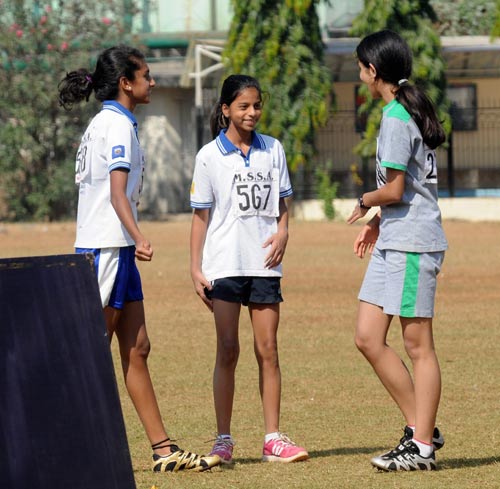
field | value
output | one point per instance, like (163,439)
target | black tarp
(61,424)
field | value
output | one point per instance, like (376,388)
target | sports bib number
(431,175)
(256,192)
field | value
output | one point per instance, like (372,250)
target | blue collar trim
(117,107)
(225,146)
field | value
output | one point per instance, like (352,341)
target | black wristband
(362,204)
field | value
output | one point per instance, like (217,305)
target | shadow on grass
(461,463)
(323,453)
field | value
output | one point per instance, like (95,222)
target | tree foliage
(413,20)
(39,43)
(465,17)
(495,30)
(279,43)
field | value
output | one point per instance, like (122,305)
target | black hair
(392,59)
(112,64)
(233,85)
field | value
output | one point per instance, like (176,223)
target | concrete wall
(468,209)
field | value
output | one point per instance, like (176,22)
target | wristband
(362,204)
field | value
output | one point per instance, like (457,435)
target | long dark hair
(391,56)
(112,64)
(233,85)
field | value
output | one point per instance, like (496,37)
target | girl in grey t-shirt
(407,244)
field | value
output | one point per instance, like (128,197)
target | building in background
(183,42)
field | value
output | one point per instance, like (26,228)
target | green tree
(495,30)
(39,43)
(413,20)
(279,43)
(464,17)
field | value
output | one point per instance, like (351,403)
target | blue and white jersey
(242,193)
(414,223)
(109,143)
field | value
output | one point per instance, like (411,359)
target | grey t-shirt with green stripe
(414,223)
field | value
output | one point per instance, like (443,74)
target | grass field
(332,402)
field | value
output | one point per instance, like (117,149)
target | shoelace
(224,443)
(284,440)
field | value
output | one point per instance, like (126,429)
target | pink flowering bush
(37,137)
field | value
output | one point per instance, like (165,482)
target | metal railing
(468,165)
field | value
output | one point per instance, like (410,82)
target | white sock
(425,449)
(225,437)
(271,436)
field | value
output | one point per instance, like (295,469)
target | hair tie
(88,78)
(402,81)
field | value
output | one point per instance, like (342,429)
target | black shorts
(245,290)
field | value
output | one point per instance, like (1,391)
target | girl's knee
(228,353)
(267,352)
(141,351)
(363,343)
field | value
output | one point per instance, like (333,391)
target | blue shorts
(402,283)
(245,290)
(117,275)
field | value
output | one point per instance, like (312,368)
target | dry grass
(332,402)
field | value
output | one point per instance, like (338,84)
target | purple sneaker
(223,447)
(282,449)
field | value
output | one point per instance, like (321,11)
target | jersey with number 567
(242,192)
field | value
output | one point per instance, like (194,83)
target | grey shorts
(402,283)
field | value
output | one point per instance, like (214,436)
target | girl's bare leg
(265,320)
(371,335)
(419,344)
(130,329)
(226,316)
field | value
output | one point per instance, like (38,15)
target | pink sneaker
(223,447)
(282,449)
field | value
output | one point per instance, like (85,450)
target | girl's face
(245,110)
(368,76)
(140,88)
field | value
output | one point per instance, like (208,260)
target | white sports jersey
(110,142)
(242,193)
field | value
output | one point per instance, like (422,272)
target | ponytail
(218,120)
(75,87)
(112,64)
(423,112)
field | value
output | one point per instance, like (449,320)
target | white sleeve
(202,195)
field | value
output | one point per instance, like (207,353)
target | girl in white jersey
(238,238)
(109,172)
(407,244)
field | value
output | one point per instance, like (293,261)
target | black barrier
(61,424)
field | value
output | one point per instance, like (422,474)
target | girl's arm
(279,240)
(390,193)
(121,205)
(199,226)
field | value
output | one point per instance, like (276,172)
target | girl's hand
(278,242)
(366,239)
(202,286)
(357,213)
(143,250)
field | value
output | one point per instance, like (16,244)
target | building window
(463,108)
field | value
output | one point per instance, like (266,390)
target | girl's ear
(124,84)
(225,109)
(373,70)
